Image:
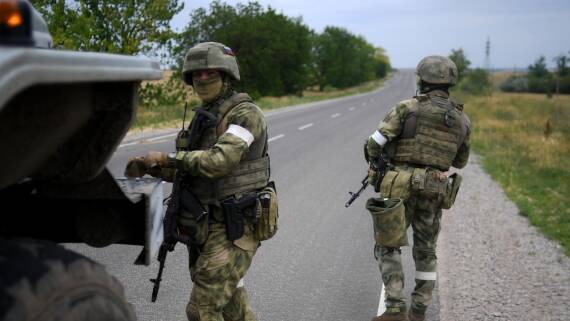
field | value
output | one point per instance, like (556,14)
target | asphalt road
(320,266)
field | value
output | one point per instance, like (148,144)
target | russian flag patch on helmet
(228,51)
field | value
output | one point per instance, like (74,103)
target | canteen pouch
(396,184)
(452,188)
(267,213)
(389,221)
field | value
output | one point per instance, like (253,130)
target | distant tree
(561,65)
(273,50)
(116,26)
(342,59)
(538,69)
(461,61)
(539,78)
(382,62)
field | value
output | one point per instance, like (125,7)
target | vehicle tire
(42,281)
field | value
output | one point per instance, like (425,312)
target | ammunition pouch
(389,221)
(431,183)
(267,213)
(396,184)
(193,218)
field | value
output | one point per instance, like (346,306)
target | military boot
(416,316)
(392,314)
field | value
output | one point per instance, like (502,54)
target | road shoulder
(493,264)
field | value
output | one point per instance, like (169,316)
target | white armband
(379,138)
(240,132)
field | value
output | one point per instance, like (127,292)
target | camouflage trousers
(217,269)
(425,216)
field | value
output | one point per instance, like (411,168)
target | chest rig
(432,133)
(252,173)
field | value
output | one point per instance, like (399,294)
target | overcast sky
(519,30)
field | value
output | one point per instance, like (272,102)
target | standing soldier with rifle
(222,204)
(422,138)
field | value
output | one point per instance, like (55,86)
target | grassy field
(171,116)
(524,140)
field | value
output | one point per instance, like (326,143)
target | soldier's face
(205,75)
(207,83)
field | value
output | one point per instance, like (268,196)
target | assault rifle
(380,165)
(178,199)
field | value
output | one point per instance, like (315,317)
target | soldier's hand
(135,167)
(373,177)
(156,159)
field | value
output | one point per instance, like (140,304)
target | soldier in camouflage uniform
(426,134)
(228,159)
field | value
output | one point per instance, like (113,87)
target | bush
(517,84)
(564,85)
(167,93)
(476,82)
(540,85)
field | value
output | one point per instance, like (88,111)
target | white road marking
(335,115)
(155,141)
(127,144)
(381,304)
(275,138)
(351,108)
(306,126)
(161,137)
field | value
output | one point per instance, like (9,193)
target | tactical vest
(432,134)
(251,174)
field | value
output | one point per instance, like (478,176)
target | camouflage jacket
(231,147)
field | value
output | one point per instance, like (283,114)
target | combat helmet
(437,70)
(210,55)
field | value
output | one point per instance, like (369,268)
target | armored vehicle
(62,116)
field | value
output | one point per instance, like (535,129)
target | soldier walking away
(222,163)
(419,139)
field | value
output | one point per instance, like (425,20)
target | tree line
(278,55)
(539,79)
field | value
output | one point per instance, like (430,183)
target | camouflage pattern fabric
(216,269)
(388,219)
(424,215)
(392,127)
(210,55)
(220,159)
(437,70)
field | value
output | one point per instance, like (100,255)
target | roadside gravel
(492,264)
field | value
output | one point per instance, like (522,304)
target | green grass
(524,140)
(150,118)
